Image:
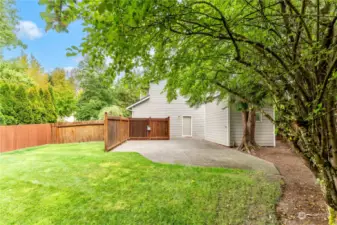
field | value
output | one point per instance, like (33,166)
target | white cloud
(29,30)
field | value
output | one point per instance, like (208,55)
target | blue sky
(49,48)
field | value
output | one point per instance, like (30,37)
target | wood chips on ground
(302,201)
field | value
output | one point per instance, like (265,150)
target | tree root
(248,148)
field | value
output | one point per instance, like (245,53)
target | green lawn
(80,184)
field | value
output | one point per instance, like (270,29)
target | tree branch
(301,18)
(223,19)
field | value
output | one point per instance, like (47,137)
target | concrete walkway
(190,151)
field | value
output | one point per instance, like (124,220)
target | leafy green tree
(34,70)
(251,89)
(63,93)
(97,91)
(8,22)
(128,91)
(290,46)
(88,108)
(13,72)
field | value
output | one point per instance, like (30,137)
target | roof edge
(139,102)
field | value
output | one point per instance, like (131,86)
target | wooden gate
(119,129)
(150,128)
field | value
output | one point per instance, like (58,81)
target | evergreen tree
(22,106)
(50,115)
(37,106)
(7,102)
(63,93)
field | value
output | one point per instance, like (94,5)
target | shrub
(112,111)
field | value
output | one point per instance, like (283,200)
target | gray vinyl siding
(216,123)
(211,121)
(158,107)
(264,130)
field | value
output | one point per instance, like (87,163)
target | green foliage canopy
(64,93)
(96,91)
(8,22)
(204,47)
(13,72)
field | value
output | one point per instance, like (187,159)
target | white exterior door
(187,126)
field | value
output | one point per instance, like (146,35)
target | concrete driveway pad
(188,151)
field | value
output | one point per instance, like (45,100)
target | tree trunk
(251,127)
(248,143)
(315,141)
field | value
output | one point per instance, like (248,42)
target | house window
(258,117)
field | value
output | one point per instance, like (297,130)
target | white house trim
(137,103)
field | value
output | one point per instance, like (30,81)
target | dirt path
(302,201)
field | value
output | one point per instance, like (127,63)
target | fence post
(168,127)
(52,133)
(105,131)
(128,128)
(150,131)
(120,129)
(57,133)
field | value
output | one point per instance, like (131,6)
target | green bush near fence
(81,184)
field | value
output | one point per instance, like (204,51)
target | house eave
(139,102)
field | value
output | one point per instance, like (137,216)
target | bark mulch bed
(302,201)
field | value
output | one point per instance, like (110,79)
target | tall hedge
(7,103)
(50,115)
(36,106)
(22,104)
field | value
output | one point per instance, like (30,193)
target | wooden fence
(113,130)
(120,129)
(116,131)
(23,136)
(78,131)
